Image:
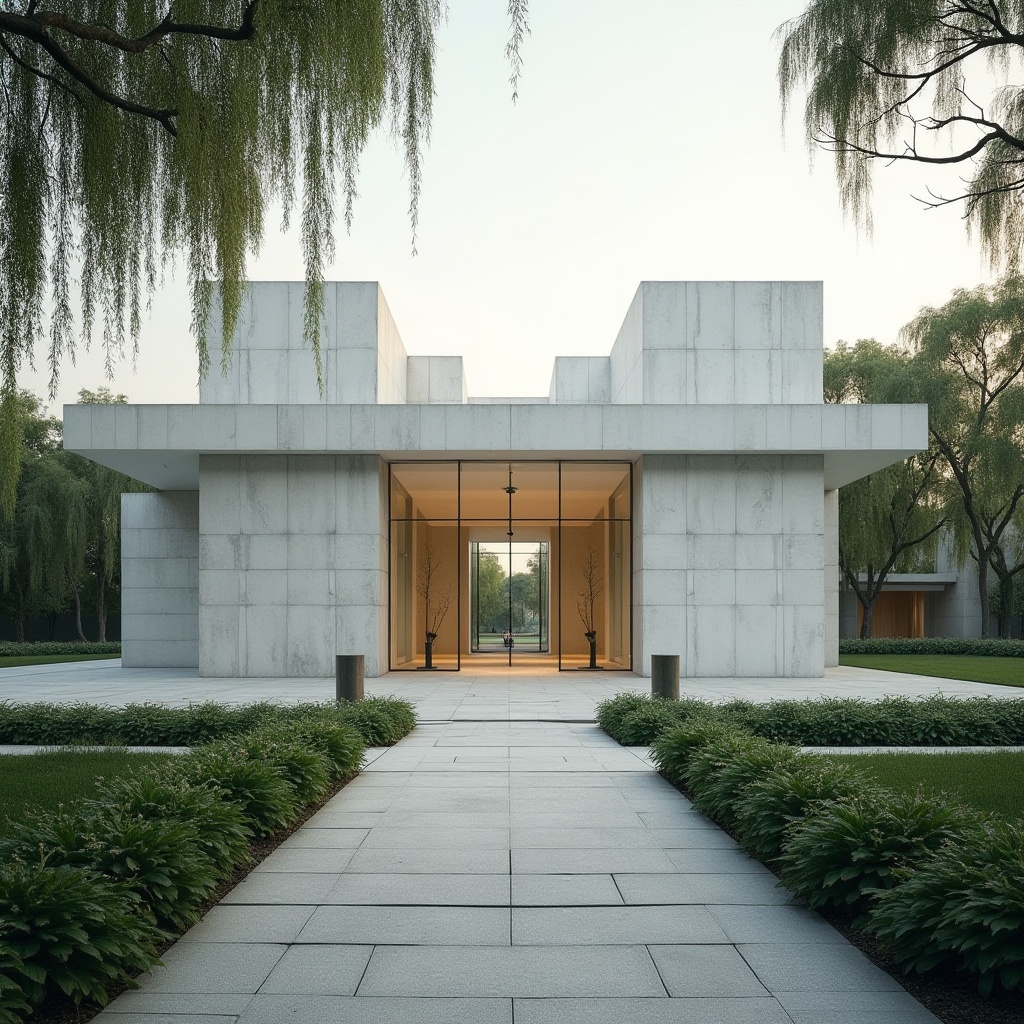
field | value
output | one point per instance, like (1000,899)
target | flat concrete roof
(161,444)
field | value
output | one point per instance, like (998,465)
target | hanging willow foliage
(135,133)
(912,80)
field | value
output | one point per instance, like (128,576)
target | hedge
(938,884)
(893,721)
(381,721)
(993,648)
(20,649)
(90,891)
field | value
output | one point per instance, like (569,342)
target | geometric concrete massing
(267,549)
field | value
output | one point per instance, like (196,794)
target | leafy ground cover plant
(159,860)
(843,851)
(672,749)
(381,721)
(68,928)
(720,770)
(787,793)
(963,906)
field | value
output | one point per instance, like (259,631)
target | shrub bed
(633,720)
(90,891)
(994,648)
(18,649)
(937,884)
(380,721)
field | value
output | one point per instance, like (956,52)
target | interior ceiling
(586,489)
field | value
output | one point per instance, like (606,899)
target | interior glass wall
(517,561)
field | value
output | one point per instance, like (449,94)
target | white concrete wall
(160,580)
(293,564)
(436,380)
(729,564)
(831,578)
(363,358)
(956,611)
(720,343)
(580,380)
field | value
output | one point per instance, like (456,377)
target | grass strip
(44,780)
(992,782)
(20,661)
(972,668)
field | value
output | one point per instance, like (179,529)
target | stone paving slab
(592,892)
(725,1010)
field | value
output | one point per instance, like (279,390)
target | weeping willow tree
(969,368)
(134,134)
(912,80)
(890,519)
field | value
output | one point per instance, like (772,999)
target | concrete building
(677,496)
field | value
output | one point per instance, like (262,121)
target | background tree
(887,518)
(969,368)
(42,545)
(909,80)
(135,133)
(491,595)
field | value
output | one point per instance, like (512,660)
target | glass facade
(516,562)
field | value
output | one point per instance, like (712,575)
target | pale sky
(646,144)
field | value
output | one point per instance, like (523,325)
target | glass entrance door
(509,597)
(537,550)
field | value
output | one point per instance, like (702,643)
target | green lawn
(52,659)
(989,782)
(31,781)
(979,669)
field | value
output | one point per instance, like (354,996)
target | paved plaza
(506,862)
(491,693)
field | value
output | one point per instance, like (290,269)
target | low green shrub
(962,907)
(720,770)
(992,647)
(340,744)
(843,851)
(222,834)
(305,769)
(157,859)
(261,793)
(68,928)
(609,713)
(786,794)
(22,649)
(892,721)
(672,750)
(381,721)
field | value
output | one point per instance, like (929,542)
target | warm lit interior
(512,563)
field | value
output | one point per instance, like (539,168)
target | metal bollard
(348,675)
(665,676)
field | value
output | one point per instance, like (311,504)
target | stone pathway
(512,872)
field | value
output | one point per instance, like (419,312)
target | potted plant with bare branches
(593,584)
(436,600)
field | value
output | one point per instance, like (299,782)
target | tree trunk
(78,610)
(51,625)
(19,620)
(101,607)
(865,625)
(983,595)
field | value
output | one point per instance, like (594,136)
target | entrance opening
(509,597)
(536,553)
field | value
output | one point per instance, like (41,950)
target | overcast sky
(646,145)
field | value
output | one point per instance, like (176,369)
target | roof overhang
(161,444)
